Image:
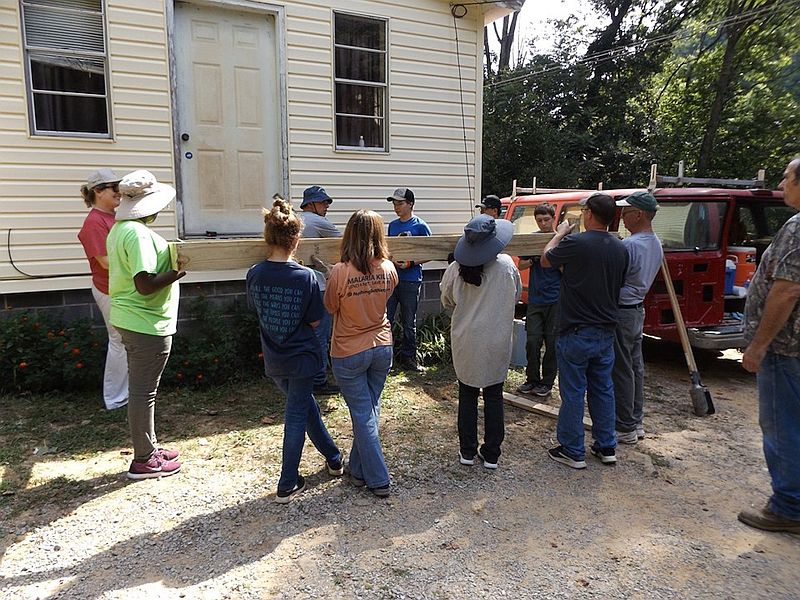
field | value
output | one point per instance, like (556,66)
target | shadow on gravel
(208,546)
(69,493)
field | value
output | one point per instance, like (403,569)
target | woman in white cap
(482,287)
(144,309)
(101,195)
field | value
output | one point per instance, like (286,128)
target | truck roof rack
(680,180)
(534,189)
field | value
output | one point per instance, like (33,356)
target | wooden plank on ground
(538,408)
(213,255)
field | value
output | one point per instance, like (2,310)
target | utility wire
(613,53)
(470,192)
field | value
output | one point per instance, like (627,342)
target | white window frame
(384,86)
(29,90)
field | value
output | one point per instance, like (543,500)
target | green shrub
(40,353)
(216,348)
(433,340)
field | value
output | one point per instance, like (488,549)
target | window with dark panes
(360,80)
(66,65)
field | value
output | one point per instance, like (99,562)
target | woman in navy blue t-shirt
(286,297)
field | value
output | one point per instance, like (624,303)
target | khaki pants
(147,357)
(115,377)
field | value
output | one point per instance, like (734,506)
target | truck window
(523,219)
(755,224)
(572,214)
(688,225)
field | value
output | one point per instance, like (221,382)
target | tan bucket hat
(142,196)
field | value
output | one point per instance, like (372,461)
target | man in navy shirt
(406,294)
(594,264)
(542,314)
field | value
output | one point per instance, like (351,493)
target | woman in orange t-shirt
(361,350)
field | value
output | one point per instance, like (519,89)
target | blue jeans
(362,377)
(406,294)
(585,360)
(302,416)
(323,333)
(779,417)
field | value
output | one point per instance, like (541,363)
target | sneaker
(627,437)
(766,520)
(410,364)
(607,456)
(335,467)
(327,389)
(486,463)
(465,461)
(168,454)
(640,432)
(560,455)
(542,390)
(526,388)
(380,492)
(154,468)
(284,497)
(356,481)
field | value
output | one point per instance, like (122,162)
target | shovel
(701,397)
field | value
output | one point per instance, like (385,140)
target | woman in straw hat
(482,287)
(361,353)
(101,195)
(288,302)
(144,309)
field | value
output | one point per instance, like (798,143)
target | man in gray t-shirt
(644,260)
(315,204)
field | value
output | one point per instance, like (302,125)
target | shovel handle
(679,322)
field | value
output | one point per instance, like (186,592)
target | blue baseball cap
(315,193)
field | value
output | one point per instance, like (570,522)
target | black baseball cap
(490,201)
(402,195)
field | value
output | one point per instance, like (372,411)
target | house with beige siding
(231,101)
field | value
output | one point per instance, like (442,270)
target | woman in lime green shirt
(144,309)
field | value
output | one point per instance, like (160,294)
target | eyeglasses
(105,186)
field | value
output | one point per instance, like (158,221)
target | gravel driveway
(660,524)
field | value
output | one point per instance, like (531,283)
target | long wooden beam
(538,408)
(213,255)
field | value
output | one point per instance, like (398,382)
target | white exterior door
(228,118)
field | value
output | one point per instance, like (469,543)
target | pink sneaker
(168,454)
(156,467)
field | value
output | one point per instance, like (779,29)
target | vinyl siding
(426,144)
(40,176)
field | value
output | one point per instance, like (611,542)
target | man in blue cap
(644,261)
(315,204)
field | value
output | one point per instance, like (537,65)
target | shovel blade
(701,400)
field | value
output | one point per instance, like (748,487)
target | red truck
(700,229)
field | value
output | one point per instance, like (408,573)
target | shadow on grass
(39,428)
